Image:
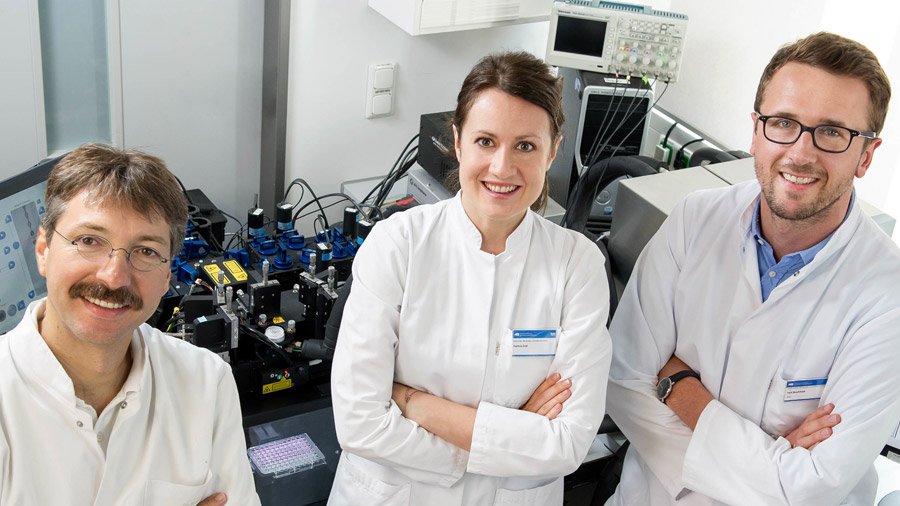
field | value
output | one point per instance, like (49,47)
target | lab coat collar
(807,255)
(837,240)
(750,195)
(470,234)
(40,367)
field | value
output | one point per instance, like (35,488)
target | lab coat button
(79,424)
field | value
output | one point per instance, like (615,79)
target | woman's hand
(401,394)
(549,396)
(445,419)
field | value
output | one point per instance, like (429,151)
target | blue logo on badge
(534,334)
(807,383)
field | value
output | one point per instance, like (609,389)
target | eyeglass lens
(829,138)
(97,249)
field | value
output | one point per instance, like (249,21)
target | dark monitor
(436,152)
(21,210)
(579,35)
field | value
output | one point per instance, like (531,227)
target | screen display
(580,36)
(613,125)
(21,210)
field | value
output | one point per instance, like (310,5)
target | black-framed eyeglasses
(828,138)
(97,249)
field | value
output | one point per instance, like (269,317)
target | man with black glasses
(97,407)
(756,348)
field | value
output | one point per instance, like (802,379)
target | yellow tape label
(282,384)
(236,270)
(213,271)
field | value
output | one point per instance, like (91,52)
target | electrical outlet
(662,153)
(380,89)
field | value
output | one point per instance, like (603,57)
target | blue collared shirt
(772,273)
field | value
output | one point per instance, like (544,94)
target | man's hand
(674,365)
(547,399)
(815,428)
(216,499)
(689,397)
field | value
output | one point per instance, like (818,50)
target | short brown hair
(521,75)
(114,176)
(840,56)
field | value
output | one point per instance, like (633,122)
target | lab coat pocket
(782,416)
(544,495)
(520,370)
(167,493)
(354,485)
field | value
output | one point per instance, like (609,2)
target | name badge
(804,390)
(534,343)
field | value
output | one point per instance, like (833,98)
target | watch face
(663,388)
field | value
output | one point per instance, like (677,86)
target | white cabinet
(23,139)
(420,17)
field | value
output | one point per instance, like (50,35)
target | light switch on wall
(384,77)
(381,104)
(380,89)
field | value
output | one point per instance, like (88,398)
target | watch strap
(680,375)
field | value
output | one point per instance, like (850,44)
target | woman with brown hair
(472,361)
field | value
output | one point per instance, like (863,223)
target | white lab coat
(432,311)
(171,436)
(695,291)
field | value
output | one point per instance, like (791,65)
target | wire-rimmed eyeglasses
(96,249)
(828,138)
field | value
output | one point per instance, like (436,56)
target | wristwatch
(664,387)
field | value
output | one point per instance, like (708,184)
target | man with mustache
(764,316)
(95,405)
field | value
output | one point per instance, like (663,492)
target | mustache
(85,289)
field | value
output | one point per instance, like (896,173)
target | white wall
(332,42)
(192,83)
(728,45)
(192,92)
(23,140)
